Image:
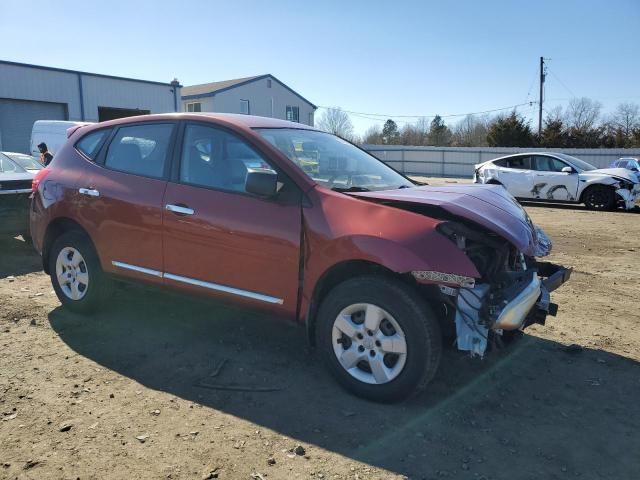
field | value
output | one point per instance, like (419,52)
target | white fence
(459,161)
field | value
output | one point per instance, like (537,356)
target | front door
(221,240)
(551,183)
(121,200)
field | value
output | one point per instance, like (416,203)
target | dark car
(15,188)
(378,269)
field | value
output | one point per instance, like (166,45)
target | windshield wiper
(350,189)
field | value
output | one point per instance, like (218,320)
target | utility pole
(542,75)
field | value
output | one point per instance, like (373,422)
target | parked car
(628,163)
(51,132)
(15,189)
(376,268)
(27,162)
(557,177)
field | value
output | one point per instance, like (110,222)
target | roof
(214,87)
(247,121)
(79,72)
(210,89)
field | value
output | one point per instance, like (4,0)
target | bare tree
(471,132)
(555,115)
(336,121)
(583,114)
(626,118)
(372,136)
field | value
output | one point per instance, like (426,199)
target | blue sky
(393,57)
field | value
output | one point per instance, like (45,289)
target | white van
(51,132)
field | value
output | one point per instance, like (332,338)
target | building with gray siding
(32,92)
(262,95)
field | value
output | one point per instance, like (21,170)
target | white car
(560,178)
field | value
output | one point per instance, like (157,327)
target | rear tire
(599,197)
(392,345)
(76,275)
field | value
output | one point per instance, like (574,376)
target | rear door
(516,175)
(122,198)
(551,183)
(221,240)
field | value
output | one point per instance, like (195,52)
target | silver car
(16,173)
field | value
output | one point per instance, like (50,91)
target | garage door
(16,121)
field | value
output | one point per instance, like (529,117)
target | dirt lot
(119,395)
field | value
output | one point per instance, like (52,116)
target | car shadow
(533,410)
(18,257)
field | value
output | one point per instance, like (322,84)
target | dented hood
(490,206)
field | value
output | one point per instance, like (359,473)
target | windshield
(25,161)
(333,162)
(9,166)
(576,162)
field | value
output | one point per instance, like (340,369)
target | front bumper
(533,303)
(628,198)
(477,312)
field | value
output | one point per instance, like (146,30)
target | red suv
(297,222)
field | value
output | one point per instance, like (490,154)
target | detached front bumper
(477,311)
(533,303)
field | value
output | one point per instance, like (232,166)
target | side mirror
(261,182)
(634,169)
(567,170)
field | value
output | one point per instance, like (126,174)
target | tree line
(580,125)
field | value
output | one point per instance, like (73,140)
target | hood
(16,176)
(490,206)
(612,172)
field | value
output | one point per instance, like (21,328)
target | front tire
(599,197)
(378,338)
(76,275)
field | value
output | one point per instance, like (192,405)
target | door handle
(179,209)
(92,192)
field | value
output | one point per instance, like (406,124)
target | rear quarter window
(90,144)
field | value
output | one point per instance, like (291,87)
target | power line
(561,82)
(386,116)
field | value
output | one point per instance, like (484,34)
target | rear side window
(501,163)
(520,163)
(140,150)
(90,144)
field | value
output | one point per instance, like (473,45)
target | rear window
(90,144)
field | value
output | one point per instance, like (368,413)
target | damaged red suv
(282,217)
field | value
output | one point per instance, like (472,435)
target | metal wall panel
(459,161)
(16,121)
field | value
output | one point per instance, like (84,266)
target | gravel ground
(124,394)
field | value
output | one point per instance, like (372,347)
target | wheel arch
(337,274)
(592,186)
(56,228)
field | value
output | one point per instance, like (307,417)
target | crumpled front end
(512,293)
(628,194)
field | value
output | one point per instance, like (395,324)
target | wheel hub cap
(369,343)
(72,273)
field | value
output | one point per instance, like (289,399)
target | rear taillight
(39,177)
